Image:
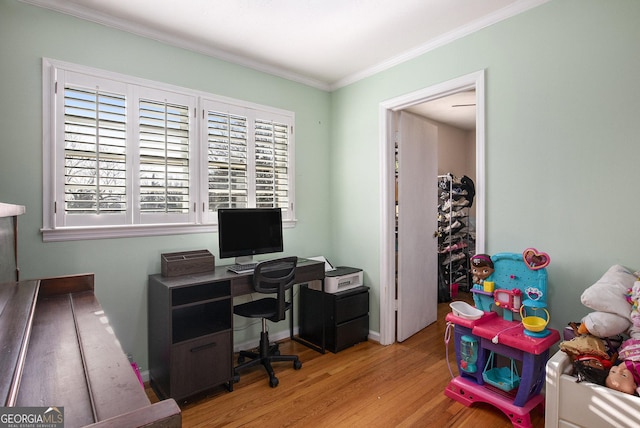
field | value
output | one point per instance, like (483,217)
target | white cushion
(603,324)
(609,293)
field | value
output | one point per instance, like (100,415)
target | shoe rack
(454,237)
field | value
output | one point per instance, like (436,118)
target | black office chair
(273,276)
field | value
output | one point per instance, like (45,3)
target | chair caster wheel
(297,364)
(236,379)
(273,382)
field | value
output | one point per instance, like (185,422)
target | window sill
(134,231)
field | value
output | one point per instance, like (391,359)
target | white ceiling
(323,43)
(458,110)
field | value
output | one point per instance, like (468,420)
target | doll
(481,268)
(589,357)
(625,377)
(621,379)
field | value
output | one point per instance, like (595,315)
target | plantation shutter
(272,159)
(227,156)
(123,151)
(164,157)
(94,151)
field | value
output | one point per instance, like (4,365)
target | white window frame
(134,223)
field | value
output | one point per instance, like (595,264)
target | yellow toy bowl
(534,323)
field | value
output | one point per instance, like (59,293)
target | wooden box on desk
(187,263)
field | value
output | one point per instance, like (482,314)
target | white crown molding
(86,14)
(500,15)
(82,12)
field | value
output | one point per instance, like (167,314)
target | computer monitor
(245,232)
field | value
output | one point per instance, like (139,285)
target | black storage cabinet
(346,317)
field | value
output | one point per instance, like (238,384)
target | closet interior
(455,119)
(456,235)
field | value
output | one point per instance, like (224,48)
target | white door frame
(388,304)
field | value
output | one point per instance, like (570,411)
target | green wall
(562,142)
(121,266)
(562,107)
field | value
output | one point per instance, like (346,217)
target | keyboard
(244,268)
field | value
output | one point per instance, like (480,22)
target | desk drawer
(351,306)
(349,333)
(200,364)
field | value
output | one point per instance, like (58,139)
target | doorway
(388,117)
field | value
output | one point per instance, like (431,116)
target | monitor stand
(244,260)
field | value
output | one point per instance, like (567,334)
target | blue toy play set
(501,360)
(516,283)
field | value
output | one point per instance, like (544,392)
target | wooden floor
(367,385)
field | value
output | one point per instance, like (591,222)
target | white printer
(339,279)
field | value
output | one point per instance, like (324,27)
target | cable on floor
(447,337)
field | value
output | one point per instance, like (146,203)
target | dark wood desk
(191,327)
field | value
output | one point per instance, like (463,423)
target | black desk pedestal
(346,317)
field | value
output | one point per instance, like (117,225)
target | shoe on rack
(462,202)
(453,226)
(443,217)
(457,204)
(462,233)
(457,246)
(456,193)
(458,214)
(450,227)
(459,191)
(453,214)
(453,257)
(446,249)
(444,180)
(450,239)
(458,270)
(461,279)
